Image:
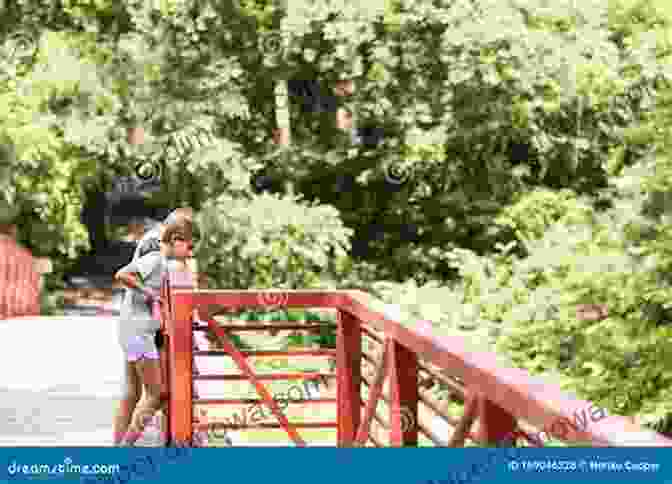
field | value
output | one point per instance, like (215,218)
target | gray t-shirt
(136,316)
(150,242)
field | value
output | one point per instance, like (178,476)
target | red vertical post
(496,426)
(403,371)
(28,302)
(4,277)
(165,389)
(349,378)
(37,287)
(180,376)
(13,289)
(22,297)
(166,322)
(31,283)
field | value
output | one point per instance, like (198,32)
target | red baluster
(348,374)
(404,396)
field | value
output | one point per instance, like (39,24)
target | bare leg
(127,405)
(150,375)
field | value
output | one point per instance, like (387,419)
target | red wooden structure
(19,281)
(504,403)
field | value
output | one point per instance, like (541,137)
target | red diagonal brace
(263,392)
(461,432)
(375,391)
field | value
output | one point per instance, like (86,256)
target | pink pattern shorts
(140,347)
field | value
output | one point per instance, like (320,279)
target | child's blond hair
(182,229)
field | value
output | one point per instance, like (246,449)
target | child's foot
(125,443)
(128,440)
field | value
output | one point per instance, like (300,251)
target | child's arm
(131,275)
(132,281)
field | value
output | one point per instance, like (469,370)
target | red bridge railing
(19,281)
(502,404)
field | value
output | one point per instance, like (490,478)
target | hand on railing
(154,301)
(150,294)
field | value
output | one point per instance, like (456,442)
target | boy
(150,242)
(137,329)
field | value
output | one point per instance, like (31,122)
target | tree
(477,101)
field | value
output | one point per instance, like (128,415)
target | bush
(270,242)
(528,308)
(325,339)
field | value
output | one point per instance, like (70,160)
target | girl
(137,329)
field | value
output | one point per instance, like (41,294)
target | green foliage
(51,303)
(539,209)
(525,308)
(479,101)
(532,139)
(270,242)
(325,339)
(52,300)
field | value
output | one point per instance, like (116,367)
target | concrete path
(59,381)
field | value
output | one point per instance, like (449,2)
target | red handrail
(495,393)
(19,281)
